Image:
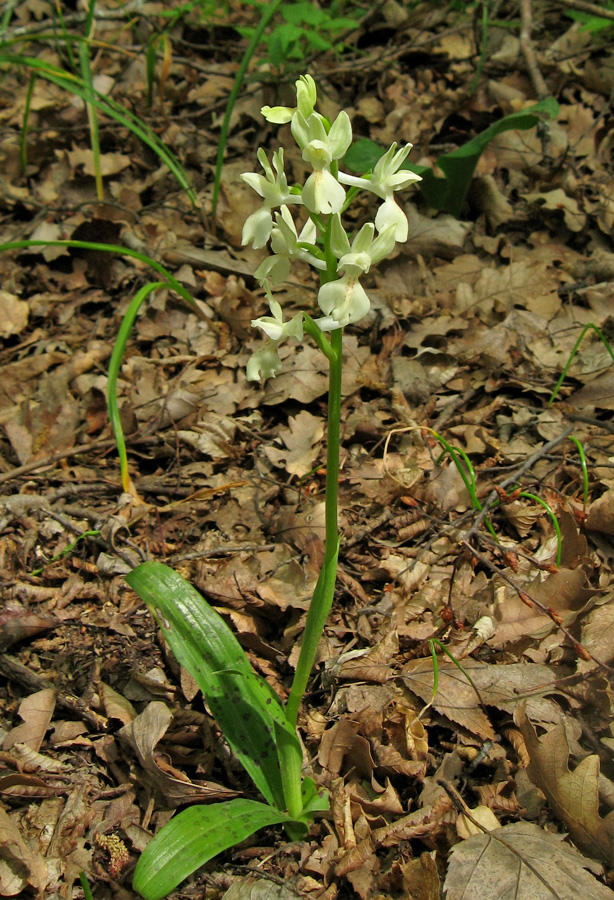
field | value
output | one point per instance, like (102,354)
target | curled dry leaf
(19,864)
(36,712)
(142,734)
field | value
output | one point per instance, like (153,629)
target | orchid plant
(259,728)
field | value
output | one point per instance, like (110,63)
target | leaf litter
(102,735)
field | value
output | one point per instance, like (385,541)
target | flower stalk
(341,262)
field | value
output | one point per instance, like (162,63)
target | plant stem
(322,599)
(333,438)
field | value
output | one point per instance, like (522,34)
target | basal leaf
(193,837)
(244,706)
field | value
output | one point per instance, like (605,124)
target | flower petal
(322,193)
(344,300)
(257,228)
(390,213)
(264,364)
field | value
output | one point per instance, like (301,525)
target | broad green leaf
(193,837)
(449,193)
(245,707)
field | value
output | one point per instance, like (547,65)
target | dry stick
(527,464)
(14,670)
(526,18)
(592,8)
(102,444)
(526,597)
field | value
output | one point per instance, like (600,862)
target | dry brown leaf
(521,862)
(301,438)
(558,200)
(254,887)
(342,748)
(13,314)
(20,865)
(572,796)
(116,706)
(36,712)
(598,634)
(601,514)
(455,698)
(142,734)
(421,878)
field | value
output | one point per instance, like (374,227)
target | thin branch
(526,596)
(526,45)
(592,8)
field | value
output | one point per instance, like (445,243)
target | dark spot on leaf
(268,701)
(247,716)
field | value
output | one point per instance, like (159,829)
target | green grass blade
(246,709)
(468,480)
(453,659)
(588,327)
(85,886)
(267,15)
(583,465)
(114,366)
(92,117)
(74,85)
(193,837)
(528,496)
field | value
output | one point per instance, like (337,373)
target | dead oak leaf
(521,862)
(572,796)
(498,686)
(301,439)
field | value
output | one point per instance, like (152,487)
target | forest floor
(472,323)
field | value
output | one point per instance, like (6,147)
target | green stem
(322,599)
(583,464)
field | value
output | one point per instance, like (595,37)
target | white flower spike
(322,242)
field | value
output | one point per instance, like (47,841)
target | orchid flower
(285,244)
(274,190)
(345,301)
(306,97)
(265,363)
(385,180)
(322,192)
(274,326)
